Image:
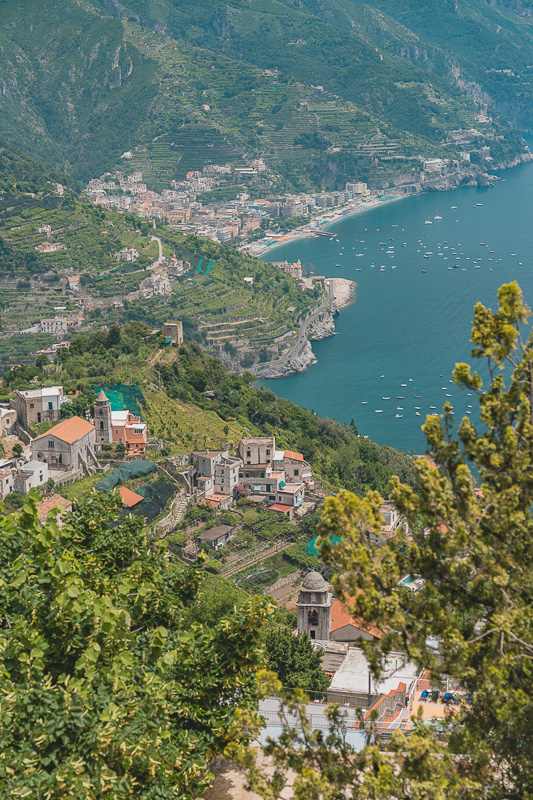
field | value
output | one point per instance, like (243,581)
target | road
(154,264)
(298,348)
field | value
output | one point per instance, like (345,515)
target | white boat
(437,217)
(428,222)
(378,411)
(398,416)
(385,398)
(399,408)
(403,384)
(449,395)
(364,402)
(417,414)
(453,206)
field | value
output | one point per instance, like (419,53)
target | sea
(420,263)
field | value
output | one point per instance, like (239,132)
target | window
(296,472)
(100,412)
(246,474)
(116,431)
(50,444)
(268,452)
(312,619)
(262,474)
(32,405)
(50,406)
(101,425)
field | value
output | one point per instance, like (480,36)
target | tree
(473,548)
(105,688)
(17,449)
(120,449)
(295,662)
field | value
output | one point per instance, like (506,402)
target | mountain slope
(325,92)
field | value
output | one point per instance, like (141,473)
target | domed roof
(314,582)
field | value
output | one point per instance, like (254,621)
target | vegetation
(473,550)
(294,661)
(318,91)
(104,688)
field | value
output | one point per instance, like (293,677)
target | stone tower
(102,419)
(314,607)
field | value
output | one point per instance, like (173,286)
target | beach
(318,225)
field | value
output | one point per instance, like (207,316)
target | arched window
(312,618)
(101,425)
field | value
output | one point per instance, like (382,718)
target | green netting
(156,496)
(122,396)
(311,547)
(125,473)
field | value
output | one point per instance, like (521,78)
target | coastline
(319,324)
(320,224)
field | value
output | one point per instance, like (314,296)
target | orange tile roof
(279,507)
(207,501)
(69,431)
(134,437)
(296,456)
(340,618)
(44,508)
(129,498)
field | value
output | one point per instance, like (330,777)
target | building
(173,333)
(434,164)
(294,269)
(330,619)
(313,608)
(8,420)
(392,518)
(216,537)
(127,254)
(216,472)
(257,450)
(6,482)
(33,475)
(38,405)
(48,505)
(129,430)
(67,446)
(102,419)
(348,628)
(295,467)
(118,427)
(277,476)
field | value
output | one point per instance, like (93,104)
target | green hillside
(324,92)
(219,309)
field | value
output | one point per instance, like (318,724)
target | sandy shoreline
(319,224)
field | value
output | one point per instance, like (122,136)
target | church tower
(102,420)
(313,608)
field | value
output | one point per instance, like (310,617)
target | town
(219,501)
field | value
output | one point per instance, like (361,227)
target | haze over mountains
(320,89)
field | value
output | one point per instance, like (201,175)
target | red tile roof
(69,431)
(44,508)
(340,618)
(280,507)
(296,456)
(129,498)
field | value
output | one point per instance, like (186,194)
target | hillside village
(242,504)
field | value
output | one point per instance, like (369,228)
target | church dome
(314,582)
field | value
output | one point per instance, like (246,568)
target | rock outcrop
(296,362)
(323,328)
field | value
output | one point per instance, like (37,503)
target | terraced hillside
(218,309)
(324,92)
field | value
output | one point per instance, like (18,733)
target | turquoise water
(397,345)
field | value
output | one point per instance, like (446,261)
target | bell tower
(102,419)
(313,608)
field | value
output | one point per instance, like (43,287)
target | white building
(33,475)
